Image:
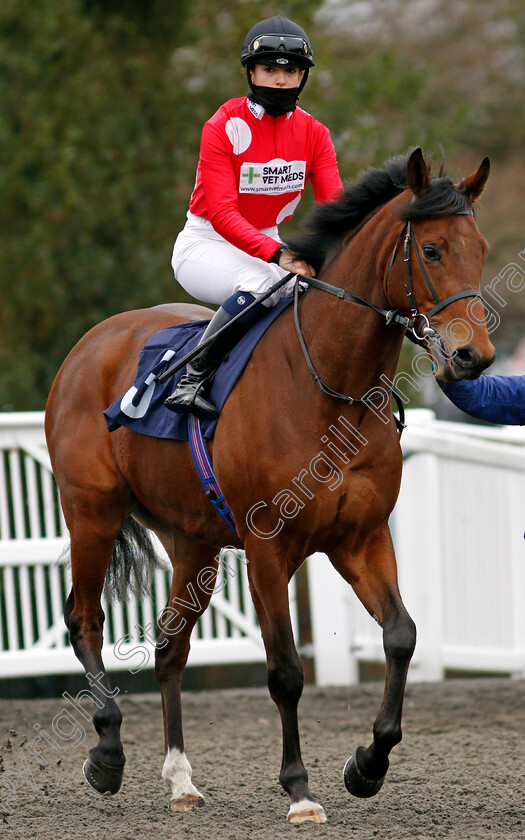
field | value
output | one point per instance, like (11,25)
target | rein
(391,316)
(326,389)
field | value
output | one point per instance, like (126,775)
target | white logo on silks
(241,300)
(135,402)
(274,177)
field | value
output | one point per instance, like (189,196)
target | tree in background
(101,108)
(95,129)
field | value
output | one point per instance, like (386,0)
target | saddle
(142,407)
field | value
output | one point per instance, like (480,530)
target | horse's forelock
(329,223)
(441,199)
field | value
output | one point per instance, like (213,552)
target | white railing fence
(35,580)
(458,530)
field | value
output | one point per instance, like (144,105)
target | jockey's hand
(290,262)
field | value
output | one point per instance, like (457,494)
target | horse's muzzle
(466,363)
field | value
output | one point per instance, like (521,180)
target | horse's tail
(132,563)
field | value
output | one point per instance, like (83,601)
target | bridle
(440,304)
(391,316)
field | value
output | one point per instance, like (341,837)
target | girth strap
(206,473)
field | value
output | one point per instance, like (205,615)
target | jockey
(496,399)
(256,155)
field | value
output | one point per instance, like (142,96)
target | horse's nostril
(466,357)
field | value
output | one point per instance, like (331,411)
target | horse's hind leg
(92,540)
(194,569)
(376,586)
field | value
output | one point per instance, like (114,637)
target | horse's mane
(329,223)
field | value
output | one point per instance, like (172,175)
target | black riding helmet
(279,42)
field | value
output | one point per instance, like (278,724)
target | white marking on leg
(176,772)
(306,811)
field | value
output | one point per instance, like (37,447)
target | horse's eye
(431,252)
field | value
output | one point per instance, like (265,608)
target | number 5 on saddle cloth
(142,408)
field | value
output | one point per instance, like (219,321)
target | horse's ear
(417,172)
(474,184)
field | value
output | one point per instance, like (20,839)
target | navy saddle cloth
(142,407)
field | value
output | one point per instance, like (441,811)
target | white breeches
(211,269)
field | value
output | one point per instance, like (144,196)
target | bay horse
(114,486)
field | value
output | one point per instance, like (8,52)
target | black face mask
(275,101)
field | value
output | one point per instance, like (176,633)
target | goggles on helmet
(275,43)
(278,49)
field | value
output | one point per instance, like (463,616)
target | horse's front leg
(269,586)
(194,570)
(373,575)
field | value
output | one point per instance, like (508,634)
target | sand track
(458,773)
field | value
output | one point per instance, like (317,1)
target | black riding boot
(188,395)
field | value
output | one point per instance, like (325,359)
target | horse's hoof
(306,811)
(357,784)
(101,777)
(186,803)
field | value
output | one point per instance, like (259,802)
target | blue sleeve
(497,399)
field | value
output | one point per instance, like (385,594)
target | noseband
(391,316)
